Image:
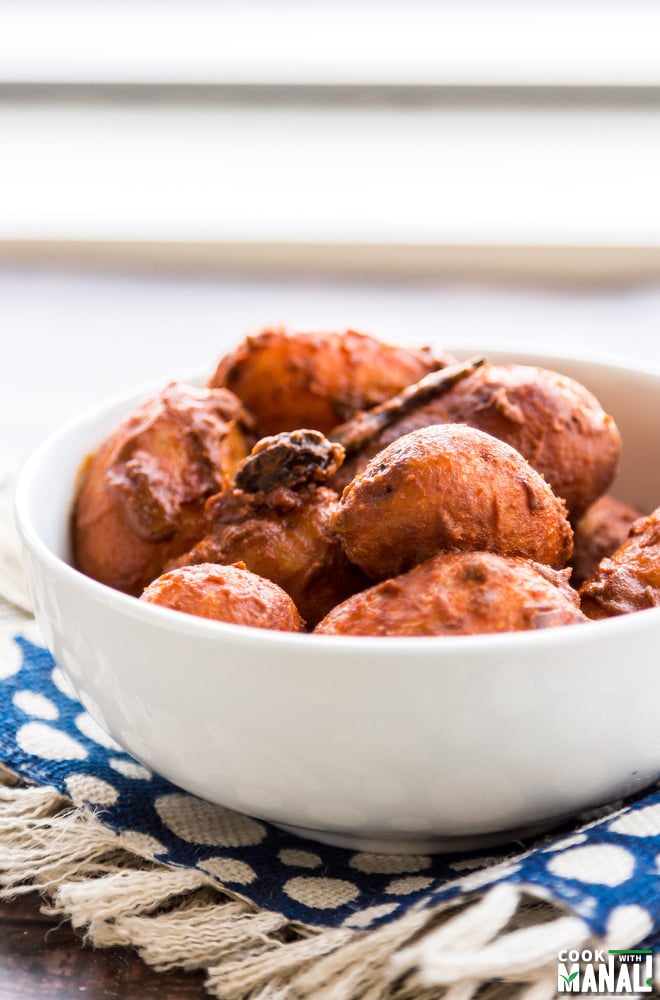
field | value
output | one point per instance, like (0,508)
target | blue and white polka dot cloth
(602,873)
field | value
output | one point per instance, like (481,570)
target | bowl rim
(193,625)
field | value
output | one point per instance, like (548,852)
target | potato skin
(141,498)
(552,420)
(449,488)
(291,379)
(462,593)
(603,527)
(630,579)
(226,594)
(284,536)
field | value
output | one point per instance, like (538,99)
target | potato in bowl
(473,736)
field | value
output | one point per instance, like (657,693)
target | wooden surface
(41,960)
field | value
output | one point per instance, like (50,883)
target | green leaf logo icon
(569,979)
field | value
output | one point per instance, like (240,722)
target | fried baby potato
(449,488)
(226,594)
(277,521)
(284,536)
(629,580)
(603,527)
(141,498)
(552,420)
(289,379)
(460,594)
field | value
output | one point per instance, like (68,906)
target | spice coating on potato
(603,527)
(226,594)
(552,420)
(290,379)
(141,499)
(460,594)
(284,536)
(630,579)
(449,488)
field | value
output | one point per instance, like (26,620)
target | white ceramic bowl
(394,744)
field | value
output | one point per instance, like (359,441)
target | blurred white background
(172,173)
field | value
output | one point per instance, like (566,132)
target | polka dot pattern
(595,864)
(130,769)
(300,859)
(199,822)
(85,788)
(142,843)
(321,893)
(404,886)
(640,823)
(608,872)
(42,740)
(229,870)
(35,705)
